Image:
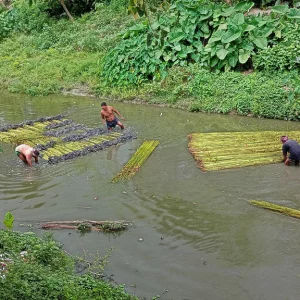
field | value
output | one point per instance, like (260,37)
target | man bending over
(291,147)
(107,115)
(26,153)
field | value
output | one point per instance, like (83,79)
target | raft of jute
(136,161)
(274,207)
(60,139)
(226,150)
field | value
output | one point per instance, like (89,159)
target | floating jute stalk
(281,209)
(225,150)
(136,161)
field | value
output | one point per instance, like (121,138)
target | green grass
(47,272)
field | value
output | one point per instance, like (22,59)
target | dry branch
(88,225)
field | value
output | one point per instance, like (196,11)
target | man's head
(284,139)
(35,153)
(104,105)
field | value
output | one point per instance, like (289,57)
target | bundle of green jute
(136,161)
(226,150)
(281,209)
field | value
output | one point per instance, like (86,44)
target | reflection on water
(184,216)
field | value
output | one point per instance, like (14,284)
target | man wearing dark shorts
(293,148)
(108,116)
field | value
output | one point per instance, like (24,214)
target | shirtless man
(291,147)
(26,153)
(108,117)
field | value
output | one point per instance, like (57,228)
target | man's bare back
(108,116)
(26,153)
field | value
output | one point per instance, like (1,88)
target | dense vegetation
(201,54)
(46,272)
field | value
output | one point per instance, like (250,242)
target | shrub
(259,94)
(46,273)
(285,54)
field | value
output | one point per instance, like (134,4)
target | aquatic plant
(136,161)
(281,209)
(225,150)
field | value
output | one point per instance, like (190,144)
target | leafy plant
(9,220)
(284,54)
(213,36)
(48,272)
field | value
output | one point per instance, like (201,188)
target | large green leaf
(216,36)
(261,42)
(249,27)
(222,53)
(294,13)
(232,60)
(228,11)
(9,220)
(280,9)
(243,56)
(214,61)
(244,6)
(176,36)
(205,28)
(238,19)
(231,35)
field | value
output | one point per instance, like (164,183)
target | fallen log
(88,225)
(281,209)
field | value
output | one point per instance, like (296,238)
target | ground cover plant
(216,151)
(47,272)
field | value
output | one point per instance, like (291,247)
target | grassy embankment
(56,55)
(47,272)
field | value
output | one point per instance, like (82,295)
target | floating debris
(226,150)
(136,161)
(87,225)
(281,209)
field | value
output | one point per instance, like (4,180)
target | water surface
(201,239)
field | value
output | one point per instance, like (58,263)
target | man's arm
(36,160)
(28,159)
(114,110)
(284,153)
(103,119)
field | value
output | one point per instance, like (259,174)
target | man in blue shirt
(291,147)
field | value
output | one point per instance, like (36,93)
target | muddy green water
(201,239)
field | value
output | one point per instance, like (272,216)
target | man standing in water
(291,147)
(107,115)
(26,153)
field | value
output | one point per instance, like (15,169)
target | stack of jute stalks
(136,161)
(65,143)
(226,150)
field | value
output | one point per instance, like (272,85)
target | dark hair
(36,152)
(103,104)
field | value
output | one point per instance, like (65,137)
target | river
(200,237)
